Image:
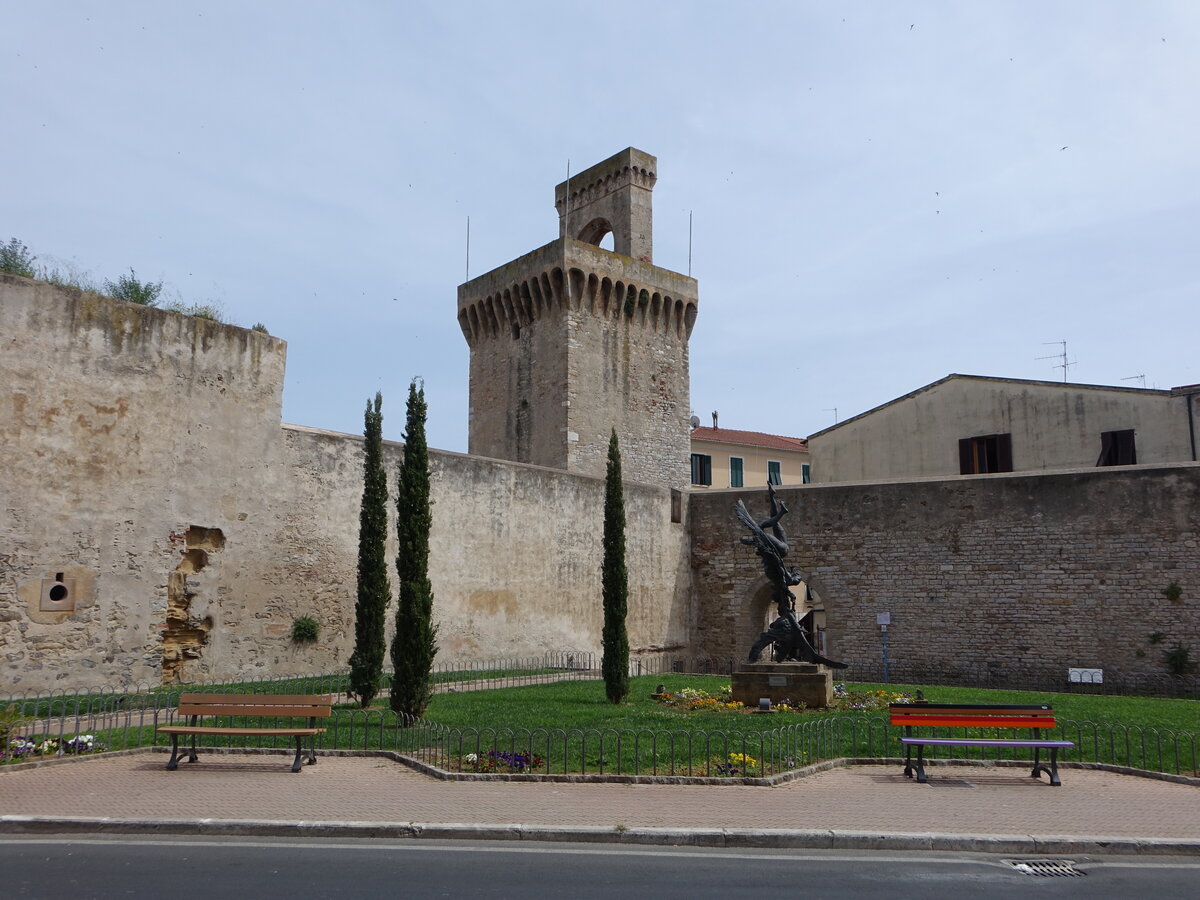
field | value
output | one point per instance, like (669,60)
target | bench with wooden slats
(958,715)
(196,707)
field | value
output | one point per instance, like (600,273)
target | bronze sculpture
(769,541)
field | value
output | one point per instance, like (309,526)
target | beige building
(971,425)
(727,457)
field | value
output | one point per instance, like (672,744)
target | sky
(880,193)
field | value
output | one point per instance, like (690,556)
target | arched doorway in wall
(810,609)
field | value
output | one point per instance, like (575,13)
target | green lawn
(581,704)
(572,726)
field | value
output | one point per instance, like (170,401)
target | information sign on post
(883,620)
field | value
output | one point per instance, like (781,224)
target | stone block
(805,683)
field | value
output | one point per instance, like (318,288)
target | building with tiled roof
(730,457)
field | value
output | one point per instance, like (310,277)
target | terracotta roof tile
(749,438)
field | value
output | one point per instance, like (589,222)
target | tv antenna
(1065,364)
(832,409)
(1140,378)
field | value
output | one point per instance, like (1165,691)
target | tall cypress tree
(374,590)
(415,643)
(615,581)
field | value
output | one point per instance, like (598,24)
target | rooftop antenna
(1141,378)
(832,409)
(468,278)
(1065,364)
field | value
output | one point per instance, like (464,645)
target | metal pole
(689,243)
(885,659)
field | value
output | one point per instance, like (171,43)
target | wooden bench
(971,715)
(275,706)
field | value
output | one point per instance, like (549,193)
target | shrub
(210,310)
(305,630)
(131,290)
(1179,660)
(15,259)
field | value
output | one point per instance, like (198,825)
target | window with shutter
(984,454)
(1117,448)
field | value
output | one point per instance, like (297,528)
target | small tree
(374,589)
(16,259)
(615,581)
(127,287)
(415,643)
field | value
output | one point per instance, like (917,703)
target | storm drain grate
(1045,867)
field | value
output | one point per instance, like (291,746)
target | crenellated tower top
(611,197)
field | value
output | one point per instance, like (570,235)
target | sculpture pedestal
(806,683)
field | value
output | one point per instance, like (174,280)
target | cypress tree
(374,590)
(415,643)
(615,581)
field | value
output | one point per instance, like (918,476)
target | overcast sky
(883,192)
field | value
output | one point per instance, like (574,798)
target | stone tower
(571,341)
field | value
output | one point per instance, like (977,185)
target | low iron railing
(126,718)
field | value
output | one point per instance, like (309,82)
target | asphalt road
(109,867)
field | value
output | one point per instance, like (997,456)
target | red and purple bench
(976,722)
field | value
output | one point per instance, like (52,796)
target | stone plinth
(806,683)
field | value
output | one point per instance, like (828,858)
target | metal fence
(125,718)
(1022,677)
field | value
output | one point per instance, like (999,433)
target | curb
(731,838)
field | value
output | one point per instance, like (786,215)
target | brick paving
(870,799)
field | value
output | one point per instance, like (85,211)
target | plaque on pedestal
(807,683)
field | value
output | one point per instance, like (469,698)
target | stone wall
(556,365)
(131,440)
(994,574)
(148,478)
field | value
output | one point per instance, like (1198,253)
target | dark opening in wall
(193,561)
(212,539)
(58,595)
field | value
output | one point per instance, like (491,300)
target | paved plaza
(962,807)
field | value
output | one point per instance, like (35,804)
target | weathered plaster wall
(999,573)
(121,428)
(514,554)
(145,463)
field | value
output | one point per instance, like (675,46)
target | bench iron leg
(299,761)
(921,779)
(908,769)
(1051,770)
(173,763)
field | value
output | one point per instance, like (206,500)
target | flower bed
(23,749)
(502,761)
(693,699)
